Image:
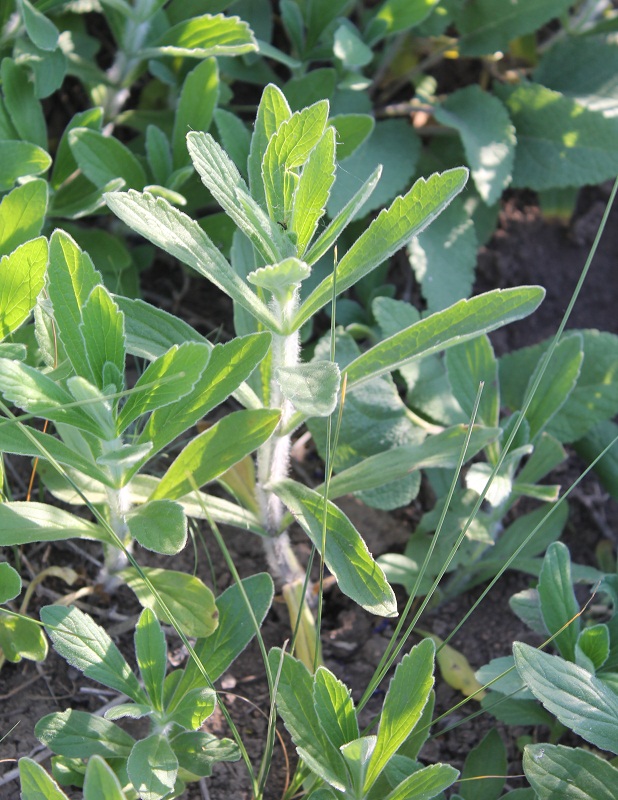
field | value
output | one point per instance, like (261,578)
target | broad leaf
(103,158)
(395,16)
(181,237)
(21,637)
(407,695)
(20,159)
(86,646)
(22,104)
(189,601)
(101,781)
(468,365)
(579,700)
(462,321)
(565,773)
(76,734)
(559,142)
(36,784)
(152,767)
(102,327)
(22,213)
(487,26)
(22,275)
(40,28)
(160,526)
(215,450)
(425,783)
(10,582)
(406,217)
(487,759)
(346,554)
(487,135)
(199,751)
(311,388)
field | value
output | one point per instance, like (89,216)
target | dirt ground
(526,249)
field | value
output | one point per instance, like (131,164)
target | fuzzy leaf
(204,36)
(76,734)
(21,159)
(160,526)
(24,522)
(152,767)
(346,555)
(22,275)
(462,321)
(103,158)
(565,773)
(311,388)
(215,450)
(86,646)
(101,781)
(407,695)
(334,708)
(22,213)
(272,111)
(36,784)
(312,191)
(579,700)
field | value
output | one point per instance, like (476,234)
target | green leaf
(592,445)
(21,637)
(10,582)
(334,708)
(160,526)
(287,151)
(593,645)
(103,158)
(229,365)
(201,37)
(101,781)
(311,388)
(350,49)
(159,154)
(190,602)
(24,522)
(22,213)
(395,16)
(406,217)
(196,105)
(22,104)
(215,450)
(40,29)
(488,137)
(487,758)
(295,704)
(223,180)
(164,381)
(468,365)
(195,706)
(235,138)
(487,26)
(346,554)
(102,328)
(440,450)
(396,146)
(198,751)
(181,237)
(583,68)
(462,321)
(272,111)
(565,773)
(425,783)
(407,695)
(443,257)
(557,383)
(343,218)
(20,160)
(64,162)
(153,767)
(76,734)
(579,700)
(312,191)
(22,275)
(557,598)
(36,784)
(86,646)
(559,142)
(352,131)
(151,654)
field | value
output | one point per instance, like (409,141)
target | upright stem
(273,462)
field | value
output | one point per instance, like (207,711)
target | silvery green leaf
(37,784)
(204,36)
(152,767)
(104,158)
(565,773)
(198,99)
(160,526)
(76,734)
(311,388)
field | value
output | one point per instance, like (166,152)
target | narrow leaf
(272,111)
(196,105)
(346,554)
(558,604)
(334,708)
(215,450)
(101,781)
(24,522)
(151,654)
